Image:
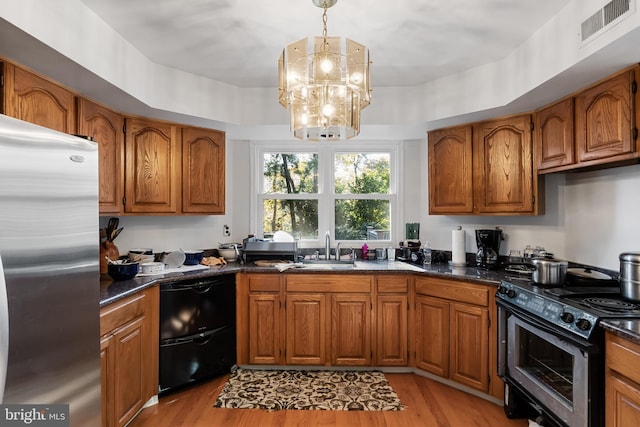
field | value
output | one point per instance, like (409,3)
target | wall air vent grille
(612,12)
(615,9)
(592,25)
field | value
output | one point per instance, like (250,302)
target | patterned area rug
(325,390)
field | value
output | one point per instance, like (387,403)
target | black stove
(576,310)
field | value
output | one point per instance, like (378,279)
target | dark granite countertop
(111,291)
(625,328)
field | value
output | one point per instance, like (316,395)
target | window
(348,189)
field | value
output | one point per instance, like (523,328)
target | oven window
(544,362)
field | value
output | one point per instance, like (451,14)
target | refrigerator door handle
(4,331)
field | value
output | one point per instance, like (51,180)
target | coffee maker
(488,242)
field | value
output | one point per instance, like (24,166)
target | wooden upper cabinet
(152,177)
(33,99)
(554,135)
(203,171)
(450,170)
(605,122)
(106,128)
(503,167)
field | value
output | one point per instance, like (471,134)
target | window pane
(298,217)
(362,219)
(291,173)
(362,173)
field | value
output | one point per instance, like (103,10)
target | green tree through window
(359,195)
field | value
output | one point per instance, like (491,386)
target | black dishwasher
(197,330)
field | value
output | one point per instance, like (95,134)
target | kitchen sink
(328,264)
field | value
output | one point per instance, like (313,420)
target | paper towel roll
(458,249)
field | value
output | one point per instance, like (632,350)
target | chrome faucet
(338,251)
(327,245)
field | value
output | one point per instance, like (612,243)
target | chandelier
(324,82)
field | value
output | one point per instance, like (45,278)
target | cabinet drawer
(392,284)
(455,291)
(328,283)
(623,356)
(119,313)
(264,282)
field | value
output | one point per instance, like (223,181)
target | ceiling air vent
(612,12)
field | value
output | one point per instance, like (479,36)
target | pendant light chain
(325,44)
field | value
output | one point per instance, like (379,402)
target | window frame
(326,195)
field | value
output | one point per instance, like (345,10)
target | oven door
(548,366)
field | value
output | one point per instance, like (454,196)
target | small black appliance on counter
(488,242)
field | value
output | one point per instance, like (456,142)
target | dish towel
(285,266)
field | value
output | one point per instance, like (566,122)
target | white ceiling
(410,41)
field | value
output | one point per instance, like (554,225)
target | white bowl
(151,267)
(228,254)
(174,259)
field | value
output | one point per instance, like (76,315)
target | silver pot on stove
(630,275)
(549,272)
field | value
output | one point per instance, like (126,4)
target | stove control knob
(567,317)
(502,290)
(511,293)
(583,324)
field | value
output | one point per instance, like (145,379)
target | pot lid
(587,273)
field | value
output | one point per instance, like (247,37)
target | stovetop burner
(610,305)
(577,310)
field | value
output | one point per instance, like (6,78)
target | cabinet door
(107,380)
(622,402)
(432,335)
(605,120)
(203,171)
(306,329)
(36,100)
(264,329)
(391,330)
(554,135)
(469,346)
(503,166)
(351,330)
(106,128)
(129,378)
(151,160)
(450,170)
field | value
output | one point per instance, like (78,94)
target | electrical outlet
(226,231)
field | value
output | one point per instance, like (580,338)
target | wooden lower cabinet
(129,356)
(306,329)
(622,384)
(391,320)
(452,331)
(264,324)
(441,326)
(432,335)
(351,330)
(328,319)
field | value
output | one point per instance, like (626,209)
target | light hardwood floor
(428,402)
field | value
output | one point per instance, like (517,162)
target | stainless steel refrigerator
(49,270)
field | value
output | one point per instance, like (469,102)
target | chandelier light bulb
(328,110)
(326,65)
(356,78)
